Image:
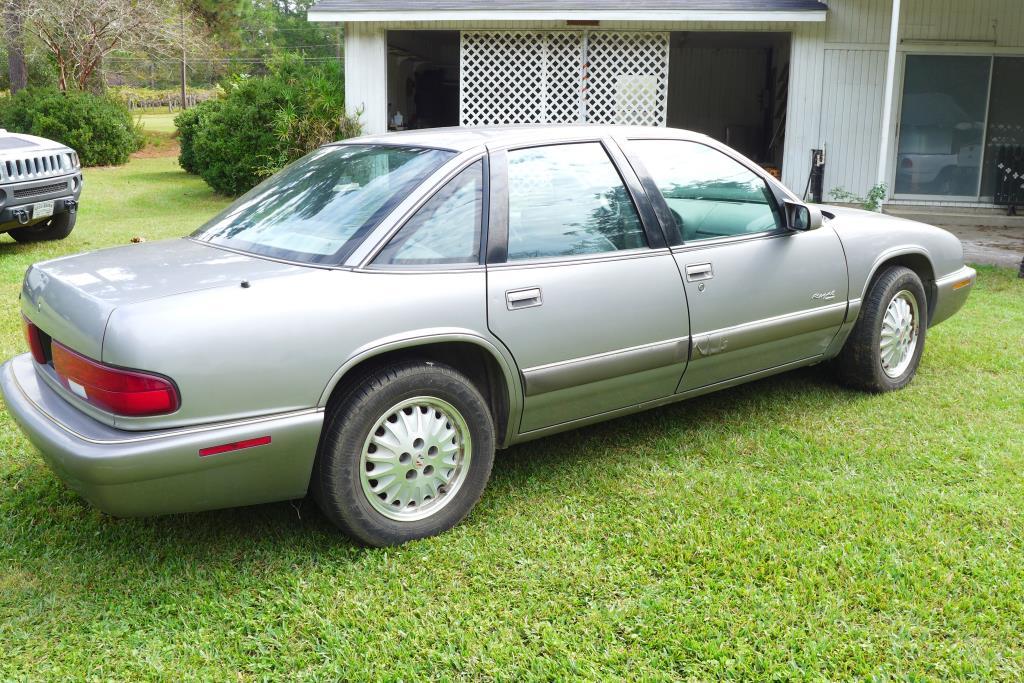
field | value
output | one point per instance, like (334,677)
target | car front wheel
(405,454)
(885,346)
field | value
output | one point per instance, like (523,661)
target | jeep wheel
(56,228)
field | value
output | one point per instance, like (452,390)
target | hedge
(99,128)
(262,124)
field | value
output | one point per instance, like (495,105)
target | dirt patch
(165,149)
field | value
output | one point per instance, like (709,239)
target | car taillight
(122,392)
(35,343)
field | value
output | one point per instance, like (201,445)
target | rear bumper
(133,474)
(951,293)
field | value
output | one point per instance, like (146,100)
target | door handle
(523,298)
(696,272)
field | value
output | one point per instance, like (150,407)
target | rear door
(761,296)
(581,286)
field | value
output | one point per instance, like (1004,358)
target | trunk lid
(70,299)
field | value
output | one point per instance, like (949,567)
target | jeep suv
(40,182)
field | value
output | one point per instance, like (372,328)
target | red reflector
(236,446)
(907,162)
(35,344)
(122,392)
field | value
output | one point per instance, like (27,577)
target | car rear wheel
(884,349)
(405,454)
(56,228)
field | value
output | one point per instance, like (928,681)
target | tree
(79,34)
(14,38)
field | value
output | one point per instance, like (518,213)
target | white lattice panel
(627,77)
(520,77)
(563,76)
(539,77)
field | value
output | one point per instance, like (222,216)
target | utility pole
(184,104)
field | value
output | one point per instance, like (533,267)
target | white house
(925,96)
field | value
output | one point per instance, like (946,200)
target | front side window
(565,200)
(446,229)
(709,194)
(318,209)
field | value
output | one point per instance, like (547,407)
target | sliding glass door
(942,126)
(1004,137)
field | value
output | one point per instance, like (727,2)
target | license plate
(42,209)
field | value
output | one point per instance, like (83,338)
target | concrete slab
(989,245)
(989,235)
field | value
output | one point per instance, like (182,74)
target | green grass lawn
(787,529)
(160,121)
(158,133)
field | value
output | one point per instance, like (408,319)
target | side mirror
(802,217)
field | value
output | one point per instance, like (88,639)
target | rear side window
(709,194)
(445,230)
(565,200)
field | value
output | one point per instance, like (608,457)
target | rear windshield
(319,208)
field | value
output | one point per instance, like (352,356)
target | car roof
(465,138)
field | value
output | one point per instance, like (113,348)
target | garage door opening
(732,87)
(423,79)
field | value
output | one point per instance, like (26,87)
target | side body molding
(768,330)
(579,371)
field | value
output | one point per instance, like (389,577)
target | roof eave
(776,16)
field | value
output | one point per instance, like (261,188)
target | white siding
(851,117)
(1001,21)
(859,21)
(803,117)
(366,52)
(866,22)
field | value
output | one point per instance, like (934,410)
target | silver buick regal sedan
(371,323)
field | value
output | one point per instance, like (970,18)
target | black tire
(859,364)
(56,228)
(337,484)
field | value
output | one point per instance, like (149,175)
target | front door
(594,316)
(760,296)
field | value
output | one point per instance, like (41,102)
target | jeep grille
(35,166)
(40,189)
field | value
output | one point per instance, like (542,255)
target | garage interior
(423,79)
(733,87)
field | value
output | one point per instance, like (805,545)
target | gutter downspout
(890,75)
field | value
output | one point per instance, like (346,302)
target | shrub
(870,202)
(189,123)
(235,146)
(262,124)
(99,128)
